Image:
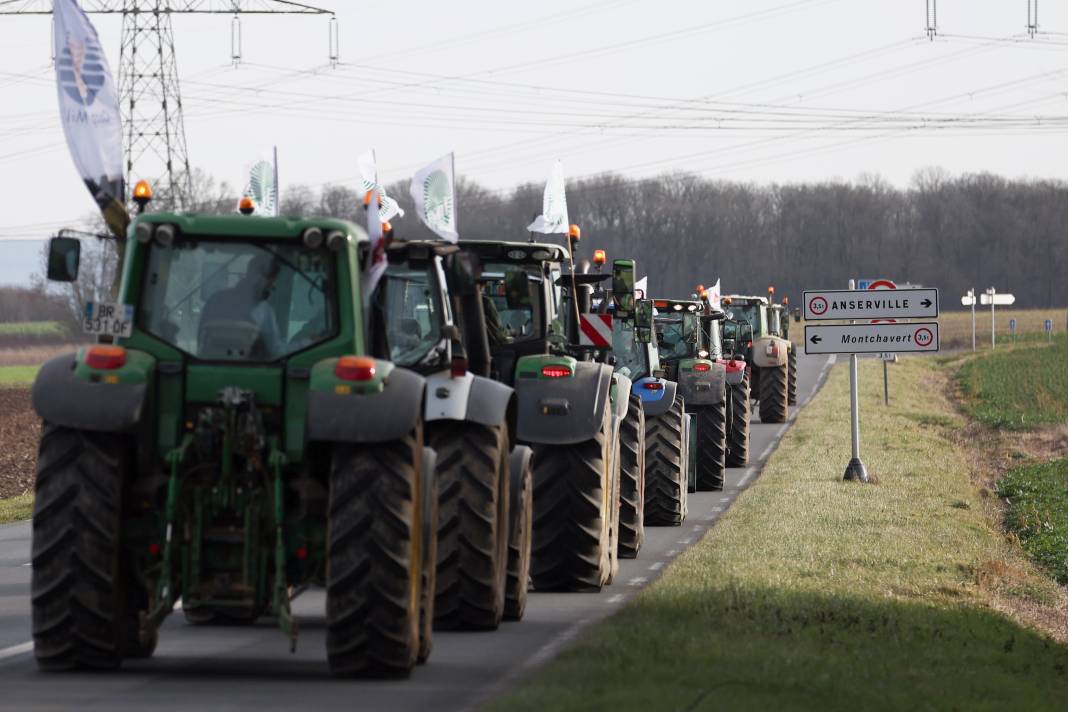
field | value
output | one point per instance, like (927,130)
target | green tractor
(570,409)
(238,435)
(683,331)
(766,353)
(779,325)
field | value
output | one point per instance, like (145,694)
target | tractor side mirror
(64,256)
(623,287)
(658,373)
(517,289)
(797,314)
(643,319)
(644,335)
(462,270)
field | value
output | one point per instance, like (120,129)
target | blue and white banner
(262,186)
(89,109)
(553,219)
(434,192)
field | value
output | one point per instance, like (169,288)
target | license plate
(106,319)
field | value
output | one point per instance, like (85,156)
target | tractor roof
(516,251)
(747,300)
(678,305)
(249,226)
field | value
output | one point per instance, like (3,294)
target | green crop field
(15,509)
(32,328)
(1018,389)
(814,594)
(1038,513)
(18,375)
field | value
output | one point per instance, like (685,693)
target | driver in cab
(246,303)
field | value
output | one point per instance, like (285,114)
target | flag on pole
(714,295)
(553,218)
(388,208)
(262,187)
(376,263)
(89,111)
(434,192)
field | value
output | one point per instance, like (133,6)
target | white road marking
(673,552)
(20,649)
(638,581)
(684,542)
(618,598)
(724,499)
(767,451)
(550,649)
(716,509)
(748,473)
(697,527)
(779,433)
(28,563)
(655,566)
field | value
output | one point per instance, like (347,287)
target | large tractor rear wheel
(791,363)
(472,525)
(773,394)
(711,422)
(632,480)
(520,536)
(375,558)
(738,437)
(666,467)
(77,585)
(572,520)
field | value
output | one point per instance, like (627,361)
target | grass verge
(1037,512)
(32,328)
(1017,389)
(15,509)
(18,375)
(817,594)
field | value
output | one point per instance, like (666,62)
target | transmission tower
(149,95)
(931,19)
(1032,18)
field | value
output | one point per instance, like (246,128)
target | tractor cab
(683,337)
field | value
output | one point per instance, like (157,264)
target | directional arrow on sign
(926,303)
(816,338)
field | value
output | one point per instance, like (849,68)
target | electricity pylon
(152,124)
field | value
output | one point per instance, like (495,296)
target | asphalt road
(251,669)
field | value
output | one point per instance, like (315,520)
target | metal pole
(993,324)
(971,293)
(855,470)
(886,385)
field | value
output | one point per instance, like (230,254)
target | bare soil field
(19,432)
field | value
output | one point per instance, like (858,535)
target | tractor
(723,350)
(766,354)
(779,325)
(566,409)
(428,296)
(235,437)
(682,336)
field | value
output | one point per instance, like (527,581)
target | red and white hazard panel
(595,330)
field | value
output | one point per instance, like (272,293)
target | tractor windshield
(630,355)
(408,302)
(754,314)
(513,302)
(221,300)
(677,335)
(775,321)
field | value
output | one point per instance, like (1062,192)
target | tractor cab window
(754,314)
(677,335)
(411,314)
(775,321)
(512,302)
(630,355)
(222,300)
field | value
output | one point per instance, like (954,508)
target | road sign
(1012,325)
(999,299)
(595,330)
(1049,326)
(843,304)
(871,338)
(968,300)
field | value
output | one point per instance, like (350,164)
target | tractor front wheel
(711,423)
(632,480)
(738,437)
(792,376)
(666,467)
(773,394)
(519,538)
(375,557)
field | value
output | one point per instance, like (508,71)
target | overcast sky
(761,90)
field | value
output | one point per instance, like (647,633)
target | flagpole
(455,206)
(277,192)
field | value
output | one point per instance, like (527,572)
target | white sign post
(992,297)
(969,300)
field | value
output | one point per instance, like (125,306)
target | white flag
(714,295)
(262,187)
(89,110)
(376,263)
(388,208)
(553,218)
(434,192)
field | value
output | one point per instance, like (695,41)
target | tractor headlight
(165,234)
(313,238)
(143,233)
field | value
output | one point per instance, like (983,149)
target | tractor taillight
(748,344)
(106,358)
(556,371)
(702,367)
(355,368)
(458,367)
(653,386)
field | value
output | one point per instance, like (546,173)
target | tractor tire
(632,480)
(572,519)
(77,588)
(374,558)
(519,541)
(711,423)
(666,468)
(791,363)
(613,514)
(773,394)
(738,436)
(428,580)
(472,526)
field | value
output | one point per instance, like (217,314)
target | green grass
(15,509)
(1017,389)
(1038,513)
(18,375)
(32,328)
(817,594)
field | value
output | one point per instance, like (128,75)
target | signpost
(877,336)
(1012,329)
(968,300)
(992,297)
(1049,329)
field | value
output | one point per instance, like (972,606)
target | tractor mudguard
(68,393)
(563,411)
(621,386)
(469,397)
(388,414)
(735,371)
(659,401)
(702,387)
(779,354)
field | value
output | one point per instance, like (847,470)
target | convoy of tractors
(484,419)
